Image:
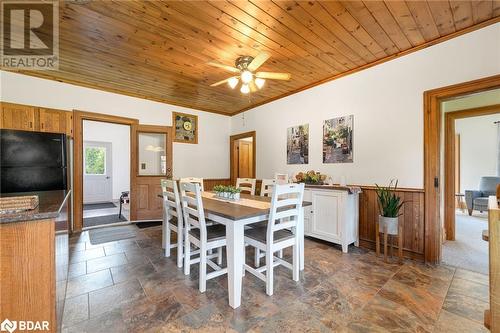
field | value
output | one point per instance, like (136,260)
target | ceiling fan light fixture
(245,89)
(259,82)
(233,82)
(246,76)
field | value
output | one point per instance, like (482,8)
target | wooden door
(153,154)
(52,121)
(245,155)
(17,116)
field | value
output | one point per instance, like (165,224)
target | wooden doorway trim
(78,118)
(232,140)
(450,161)
(432,157)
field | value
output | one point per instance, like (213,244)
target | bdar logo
(8,325)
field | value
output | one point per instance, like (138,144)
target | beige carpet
(468,251)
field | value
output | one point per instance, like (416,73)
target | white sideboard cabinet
(333,216)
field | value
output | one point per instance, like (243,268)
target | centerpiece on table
(310,177)
(227,192)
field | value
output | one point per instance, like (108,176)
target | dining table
(236,215)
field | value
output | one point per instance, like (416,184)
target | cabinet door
(325,220)
(16,116)
(53,121)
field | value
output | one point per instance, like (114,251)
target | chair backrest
(266,188)
(488,185)
(193,180)
(246,185)
(286,203)
(192,207)
(281,178)
(171,199)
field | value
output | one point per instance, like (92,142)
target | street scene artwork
(337,140)
(297,144)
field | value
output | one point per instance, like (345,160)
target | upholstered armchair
(478,200)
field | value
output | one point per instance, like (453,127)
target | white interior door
(97,172)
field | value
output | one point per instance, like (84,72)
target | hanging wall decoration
(297,145)
(185,127)
(337,140)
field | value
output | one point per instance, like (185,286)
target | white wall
(119,137)
(208,159)
(387,104)
(478,149)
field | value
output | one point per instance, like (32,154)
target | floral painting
(337,140)
(297,144)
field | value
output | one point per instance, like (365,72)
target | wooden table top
(234,210)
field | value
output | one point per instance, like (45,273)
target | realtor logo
(8,325)
(30,35)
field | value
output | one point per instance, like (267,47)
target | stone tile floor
(128,286)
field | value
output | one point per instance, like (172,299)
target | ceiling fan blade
(221,82)
(273,76)
(226,67)
(258,61)
(253,86)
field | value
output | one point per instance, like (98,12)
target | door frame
(432,157)
(450,161)
(108,162)
(232,140)
(78,118)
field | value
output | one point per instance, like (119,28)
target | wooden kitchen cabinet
(38,119)
(17,116)
(52,121)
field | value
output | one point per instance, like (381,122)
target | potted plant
(389,205)
(227,192)
(311,177)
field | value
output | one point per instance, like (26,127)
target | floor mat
(101,220)
(142,225)
(110,234)
(98,205)
(468,250)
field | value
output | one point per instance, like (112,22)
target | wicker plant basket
(15,204)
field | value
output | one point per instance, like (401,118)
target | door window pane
(152,154)
(95,160)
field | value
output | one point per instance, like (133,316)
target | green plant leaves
(389,203)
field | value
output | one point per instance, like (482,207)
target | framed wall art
(337,140)
(185,127)
(297,144)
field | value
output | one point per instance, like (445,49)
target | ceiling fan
(246,66)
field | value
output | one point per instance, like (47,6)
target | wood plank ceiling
(159,50)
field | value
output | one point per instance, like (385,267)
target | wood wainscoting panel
(412,219)
(209,184)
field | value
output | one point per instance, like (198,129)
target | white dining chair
(246,185)
(286,204)
(172,218)
(193,180)
(266,188)
(204,237)
(281,178)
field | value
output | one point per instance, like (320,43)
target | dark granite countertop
(50,203)
(350,189)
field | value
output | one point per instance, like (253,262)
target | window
(95,160)
(152,154)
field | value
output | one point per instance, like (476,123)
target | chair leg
(280,254)
(187,254)
(167,240)
(180,246)
(203,268)
(269,272)
(295,260)
(219,256)
(257,257)
(244,260)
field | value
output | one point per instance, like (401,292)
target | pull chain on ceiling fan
(245,67)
